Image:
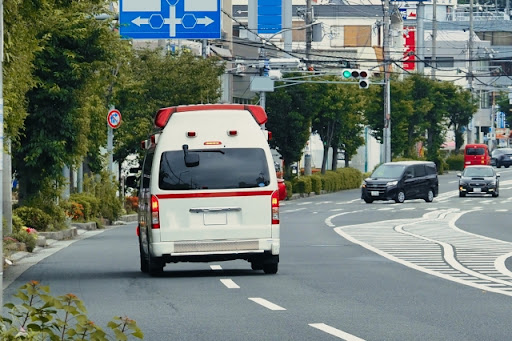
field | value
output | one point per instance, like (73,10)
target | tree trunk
(334,161)
(324,160)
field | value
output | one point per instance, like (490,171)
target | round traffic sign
(114,118)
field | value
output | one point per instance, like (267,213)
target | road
(348,271)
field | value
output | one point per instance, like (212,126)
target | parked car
(479,180)
(501,157)
(402,180)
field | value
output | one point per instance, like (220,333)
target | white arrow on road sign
(204,21)
(139,21)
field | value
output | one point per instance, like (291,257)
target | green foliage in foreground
(41,316)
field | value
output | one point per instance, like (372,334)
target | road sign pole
(110,147)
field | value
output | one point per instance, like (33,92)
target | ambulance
(208,190)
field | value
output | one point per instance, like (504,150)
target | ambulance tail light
(275,207)
(155,213)
(232,133)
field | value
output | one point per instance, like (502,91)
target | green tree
(153,80)
(461,107)
(338,119)
(71,71)
(289,117)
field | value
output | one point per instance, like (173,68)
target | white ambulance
(208,189)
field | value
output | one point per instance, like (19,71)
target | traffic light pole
(386,132)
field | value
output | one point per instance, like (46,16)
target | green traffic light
(347,73)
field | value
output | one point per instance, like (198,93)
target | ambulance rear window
(218,169)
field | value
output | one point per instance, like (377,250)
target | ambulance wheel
(143,260)
(256,266)
(270,268)
(155,265)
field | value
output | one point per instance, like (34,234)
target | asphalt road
(348,271)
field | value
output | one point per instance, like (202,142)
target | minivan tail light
(275,207)
(155,213)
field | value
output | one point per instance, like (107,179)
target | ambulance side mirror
(131,181)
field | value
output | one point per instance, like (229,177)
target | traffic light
(360,75)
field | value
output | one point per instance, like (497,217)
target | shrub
(455,162)
(289,189)
(316,184)
(131,204)
(105,189)
(42,316)
(34,217)
(91,205)
(302,185)
(27,236)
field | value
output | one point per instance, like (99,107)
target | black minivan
(402,180)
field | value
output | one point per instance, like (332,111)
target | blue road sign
(170,19)
(270,16)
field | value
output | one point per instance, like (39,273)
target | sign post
(113,122)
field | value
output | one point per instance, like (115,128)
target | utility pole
(470,65)
(2,144)
(420,36)
(309,38)
(309,31)
(434,39)
(387,98)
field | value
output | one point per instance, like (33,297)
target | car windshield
(388,171)
(502,151)
(478,171)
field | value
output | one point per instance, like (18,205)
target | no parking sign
(114,118)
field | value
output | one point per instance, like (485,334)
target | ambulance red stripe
(212,195)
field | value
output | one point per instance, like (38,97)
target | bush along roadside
(47,212)
(331,181)
(41,316)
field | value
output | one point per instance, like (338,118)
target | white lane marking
(216,267)
(335,332)
(291,211)
(305,203)
(328,221)
(502,210)
(499,263)
(229,283)
(266,304)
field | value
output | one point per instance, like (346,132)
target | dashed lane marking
(267,304)
(335,332)
(229,283)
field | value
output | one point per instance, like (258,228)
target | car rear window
(217,169)
(475,151)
